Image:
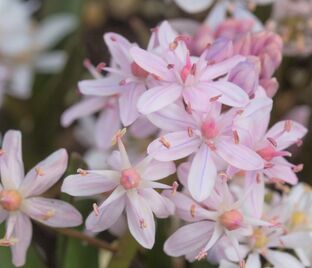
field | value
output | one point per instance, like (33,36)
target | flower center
(209,129)
(130,178)
(231,219)
(268,153)
(10,200)
(138,71)
(298,218)
(260,239)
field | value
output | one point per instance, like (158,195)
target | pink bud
(231,219)
(130,178)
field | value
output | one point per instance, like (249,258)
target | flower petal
(158,97)
(253,261)
(180,145)
(203,174)
(45,174)
(140,220)
(108,215)
(11,163)
(238,155)
(157,170)
(51,212)
(282,259)
(90,184)
(193,6)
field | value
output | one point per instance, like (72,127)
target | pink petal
(282,172)
(140,220)
(158,97)
(238,155)
(151,63)
(85,107)
(296,132)
(183,171)
(22,230)
(231,94)
(180,145)
(128,103)
(186,208)
(52,212)
(45,174)
(142,128)
(91,184)
(189,238)
(107,86)
(172,118)
(160,205)
(156,170)
(253,261)
(11,163)
(203,174)
(104,134)
(108,216)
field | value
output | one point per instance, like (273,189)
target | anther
(215,98)
(201,255)
(96,209)
(164,142)
(175,186)
(119,134)
(193,210)
(82,172)
(48,215)
(297,168)
(143,224)
(236,137)
(190,132)
(288,125)
(39,171)
(4,242)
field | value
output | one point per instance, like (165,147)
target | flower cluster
(207,96)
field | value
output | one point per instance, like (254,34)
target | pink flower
(132,190)
(20,200)
(210,136)
(218,216)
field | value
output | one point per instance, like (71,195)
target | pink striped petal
(45,174)
(179,145)
(203,174)
(11,163)
(52,212)
(140,220)
(108,216)
(158,97)
(156,170)
(91,184)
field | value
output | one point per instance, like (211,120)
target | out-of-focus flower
(293,21)
(241,9)
(133,191)
(24,44)
(20,196)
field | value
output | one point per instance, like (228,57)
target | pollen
(298,218)
(82,172)
(48,215)
(39,171)
(193,210)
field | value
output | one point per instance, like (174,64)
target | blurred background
(38,116)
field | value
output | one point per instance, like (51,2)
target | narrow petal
(52,212)
(193,6)
(90,184)
(188,237)
(140,220)
(172,118)
(51,62)
(151,63)
(238,155)
(107,86)
(128,103)
(158,97)
(22,231)
(282,172)
(85,107)
(253,261)
(203,174)
(157,170)
(284,137)
(160,205)
(45,174)
(180,145)
(108,215)
(11,163)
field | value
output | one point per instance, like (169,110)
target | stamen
(211,145)
(89,66)
(113,39)
(297,168)
(193,210)
(242,264)
(190,132)
(288,125)
(154,30)
(236,137)
(173,45)
(96,209)
(119,134)
(193,69)
(272,141)
(48,215)
(223,176)
(143,224)
(4,242)
(188,108)
(215,98)
(100,66)
(164,142)
(201,255)
(39,171)
(175,186)
(82,172)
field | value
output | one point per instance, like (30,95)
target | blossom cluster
(207,97)
(201,97)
